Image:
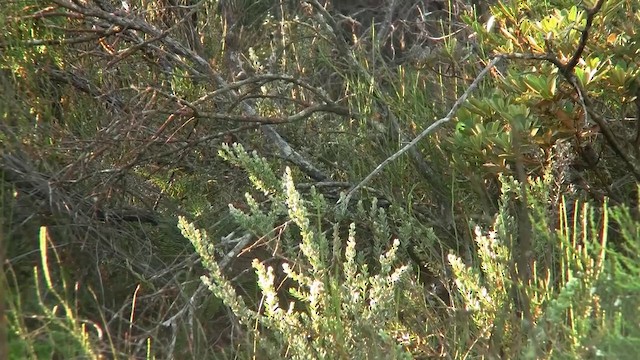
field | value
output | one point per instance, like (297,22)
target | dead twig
(456,106)
(201,69)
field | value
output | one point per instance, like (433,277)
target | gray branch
(456,106)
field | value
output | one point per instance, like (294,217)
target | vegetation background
(319,179)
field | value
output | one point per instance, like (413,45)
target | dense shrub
(319,179)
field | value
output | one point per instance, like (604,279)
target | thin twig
(426,132)
(242,242)
(301,115)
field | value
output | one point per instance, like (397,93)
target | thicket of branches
(460,178)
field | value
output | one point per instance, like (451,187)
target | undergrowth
(174,180)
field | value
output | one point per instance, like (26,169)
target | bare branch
(611,140)
(203,68)
(303,114)
(456,106)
